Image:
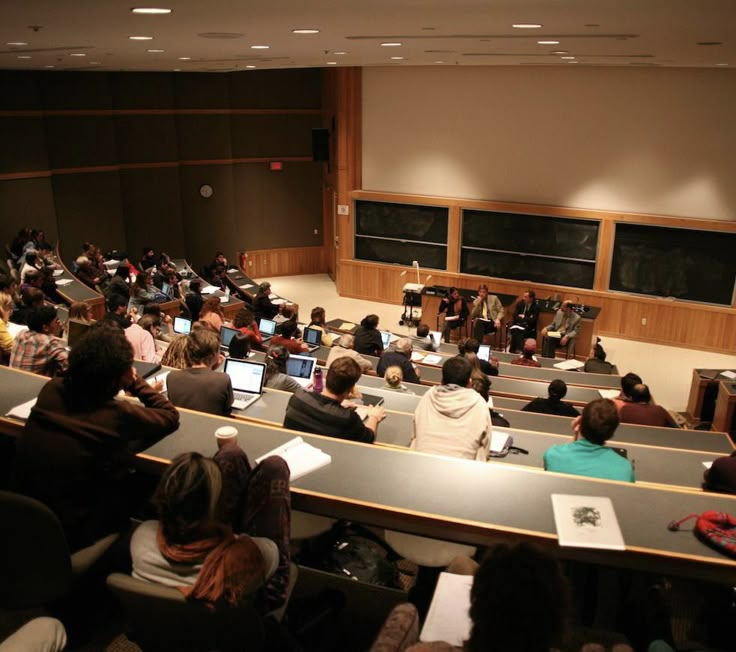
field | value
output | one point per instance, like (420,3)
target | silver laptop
(248,379)
(300,368)
(436,338)
(182,325)
(226,335)
(267,328)
(386,339)
(484,352)
(312,338)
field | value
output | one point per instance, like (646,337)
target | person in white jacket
(452,419)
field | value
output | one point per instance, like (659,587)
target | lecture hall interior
(341,150)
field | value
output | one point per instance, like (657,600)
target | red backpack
(716,529)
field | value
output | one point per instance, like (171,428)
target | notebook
(300,368)
(226,335)
(484,352)
(248,379)
(182,325)
(313,338)
(267,328)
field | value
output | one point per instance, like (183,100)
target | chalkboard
(531,248)
(672,262)
(388,232)
(533,269)
(532,234)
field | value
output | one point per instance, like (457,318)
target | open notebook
(301,457)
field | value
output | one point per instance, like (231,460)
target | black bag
(352,551)
(497,419)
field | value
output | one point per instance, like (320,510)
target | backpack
(715,529)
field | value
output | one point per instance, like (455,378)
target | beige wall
(634,140)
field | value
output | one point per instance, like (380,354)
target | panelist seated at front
(562,331)
(487,313)
(524,325)
(455,311)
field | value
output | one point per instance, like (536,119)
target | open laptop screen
(227,335)
(484,352)
(246,376)
(300,366)
(386,338)
(313,336)
(267,326)
(182,325)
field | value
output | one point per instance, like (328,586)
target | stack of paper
(569,365)
(728,374)
(58,272)
(22,411)
(208,289)
(416,356)
(301,457)
(432,358)
(586,522)
(64,281)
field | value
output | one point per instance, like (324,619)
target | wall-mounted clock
(206,190)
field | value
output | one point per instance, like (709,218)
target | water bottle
(318,384)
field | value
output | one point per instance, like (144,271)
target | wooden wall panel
(198,90)
(20,90)
(146,138)
(263,263)
(24,145)
(286,89)
(25,202)
(273,136)
(81,141)
(143,90)
(76,90)
(203,137)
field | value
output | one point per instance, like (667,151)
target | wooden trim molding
(285,262)
(73,113)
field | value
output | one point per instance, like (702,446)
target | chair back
(34,557)
(162,620)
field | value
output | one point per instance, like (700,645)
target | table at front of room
(420,494)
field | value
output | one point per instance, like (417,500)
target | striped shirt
(39,353)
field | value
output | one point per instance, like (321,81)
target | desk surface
(349,488)
(231,306)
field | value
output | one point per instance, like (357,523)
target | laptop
(167,289)
(386,339)
(484,352)
(300,368)
(75,331)
(312,338)
(226,335)
(267,328)
(182,325)
(436,337)
(247,378)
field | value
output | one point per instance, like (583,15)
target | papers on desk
(346,326)
(569,365)
(58,272)
(500,439)
(432,358)
(301,457)
(609,393)
(448,618)
(728,374)
(278,302)
(16,329)
(159,378)
(233,270)
(208,289)
(416,356)
(586,522)
(707,465)
(22,411)
(64,281)
(247,286)
(111,263)
(273,296)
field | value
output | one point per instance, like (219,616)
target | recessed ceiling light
(391,44)
(526,26)
(548,42)
(185,58)
(250,67)
(77,54)
(340,52)
(260,47)
(332,63)
(151,10)
(560,52)
(49,66)
(24,56)
(573,62)
(16,43)
(438,62)
(722,65)
(177,69)
(398,58)
(567,57)
(305,31)
(155,51)
(94,63)
(141,38)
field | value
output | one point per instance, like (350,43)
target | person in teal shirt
(588,455)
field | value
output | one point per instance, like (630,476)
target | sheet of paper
(247,286)
(273,296)
(347,326)
(64,281)
(416,356)
(609,393)
(448,618)
(499,438)
(432,358)
(22,411)
(208,289)
(586,522)
(301,457)
(556,334)
(278,302)
(569,365)
(233,270)
(58,272)
(16,329)
(707,465)
(111,263)
(728,374)
(452,318)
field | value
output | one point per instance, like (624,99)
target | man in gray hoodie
(452,419)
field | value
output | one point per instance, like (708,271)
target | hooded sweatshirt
(452,420)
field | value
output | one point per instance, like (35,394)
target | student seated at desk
(6,339)
(245,322)
(175,354)
(196,544)
(588,455)
(318,319)
(452,419)
(400,357)
(628,382)
(199,387)
(212,313)
(471,345)
(527,359)
(423,341)
(643,411)
(287,338)
(324,414)
(393,377)
(31,298)
(276,376)
(553,404)
(239,346)
(721,476)
(597,364)
(194,299)
(367,338)
(263,307)
(73,452)
(344,349)
(40,349)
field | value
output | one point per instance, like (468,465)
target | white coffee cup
(226,434)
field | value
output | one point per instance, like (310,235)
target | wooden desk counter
(723,418)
